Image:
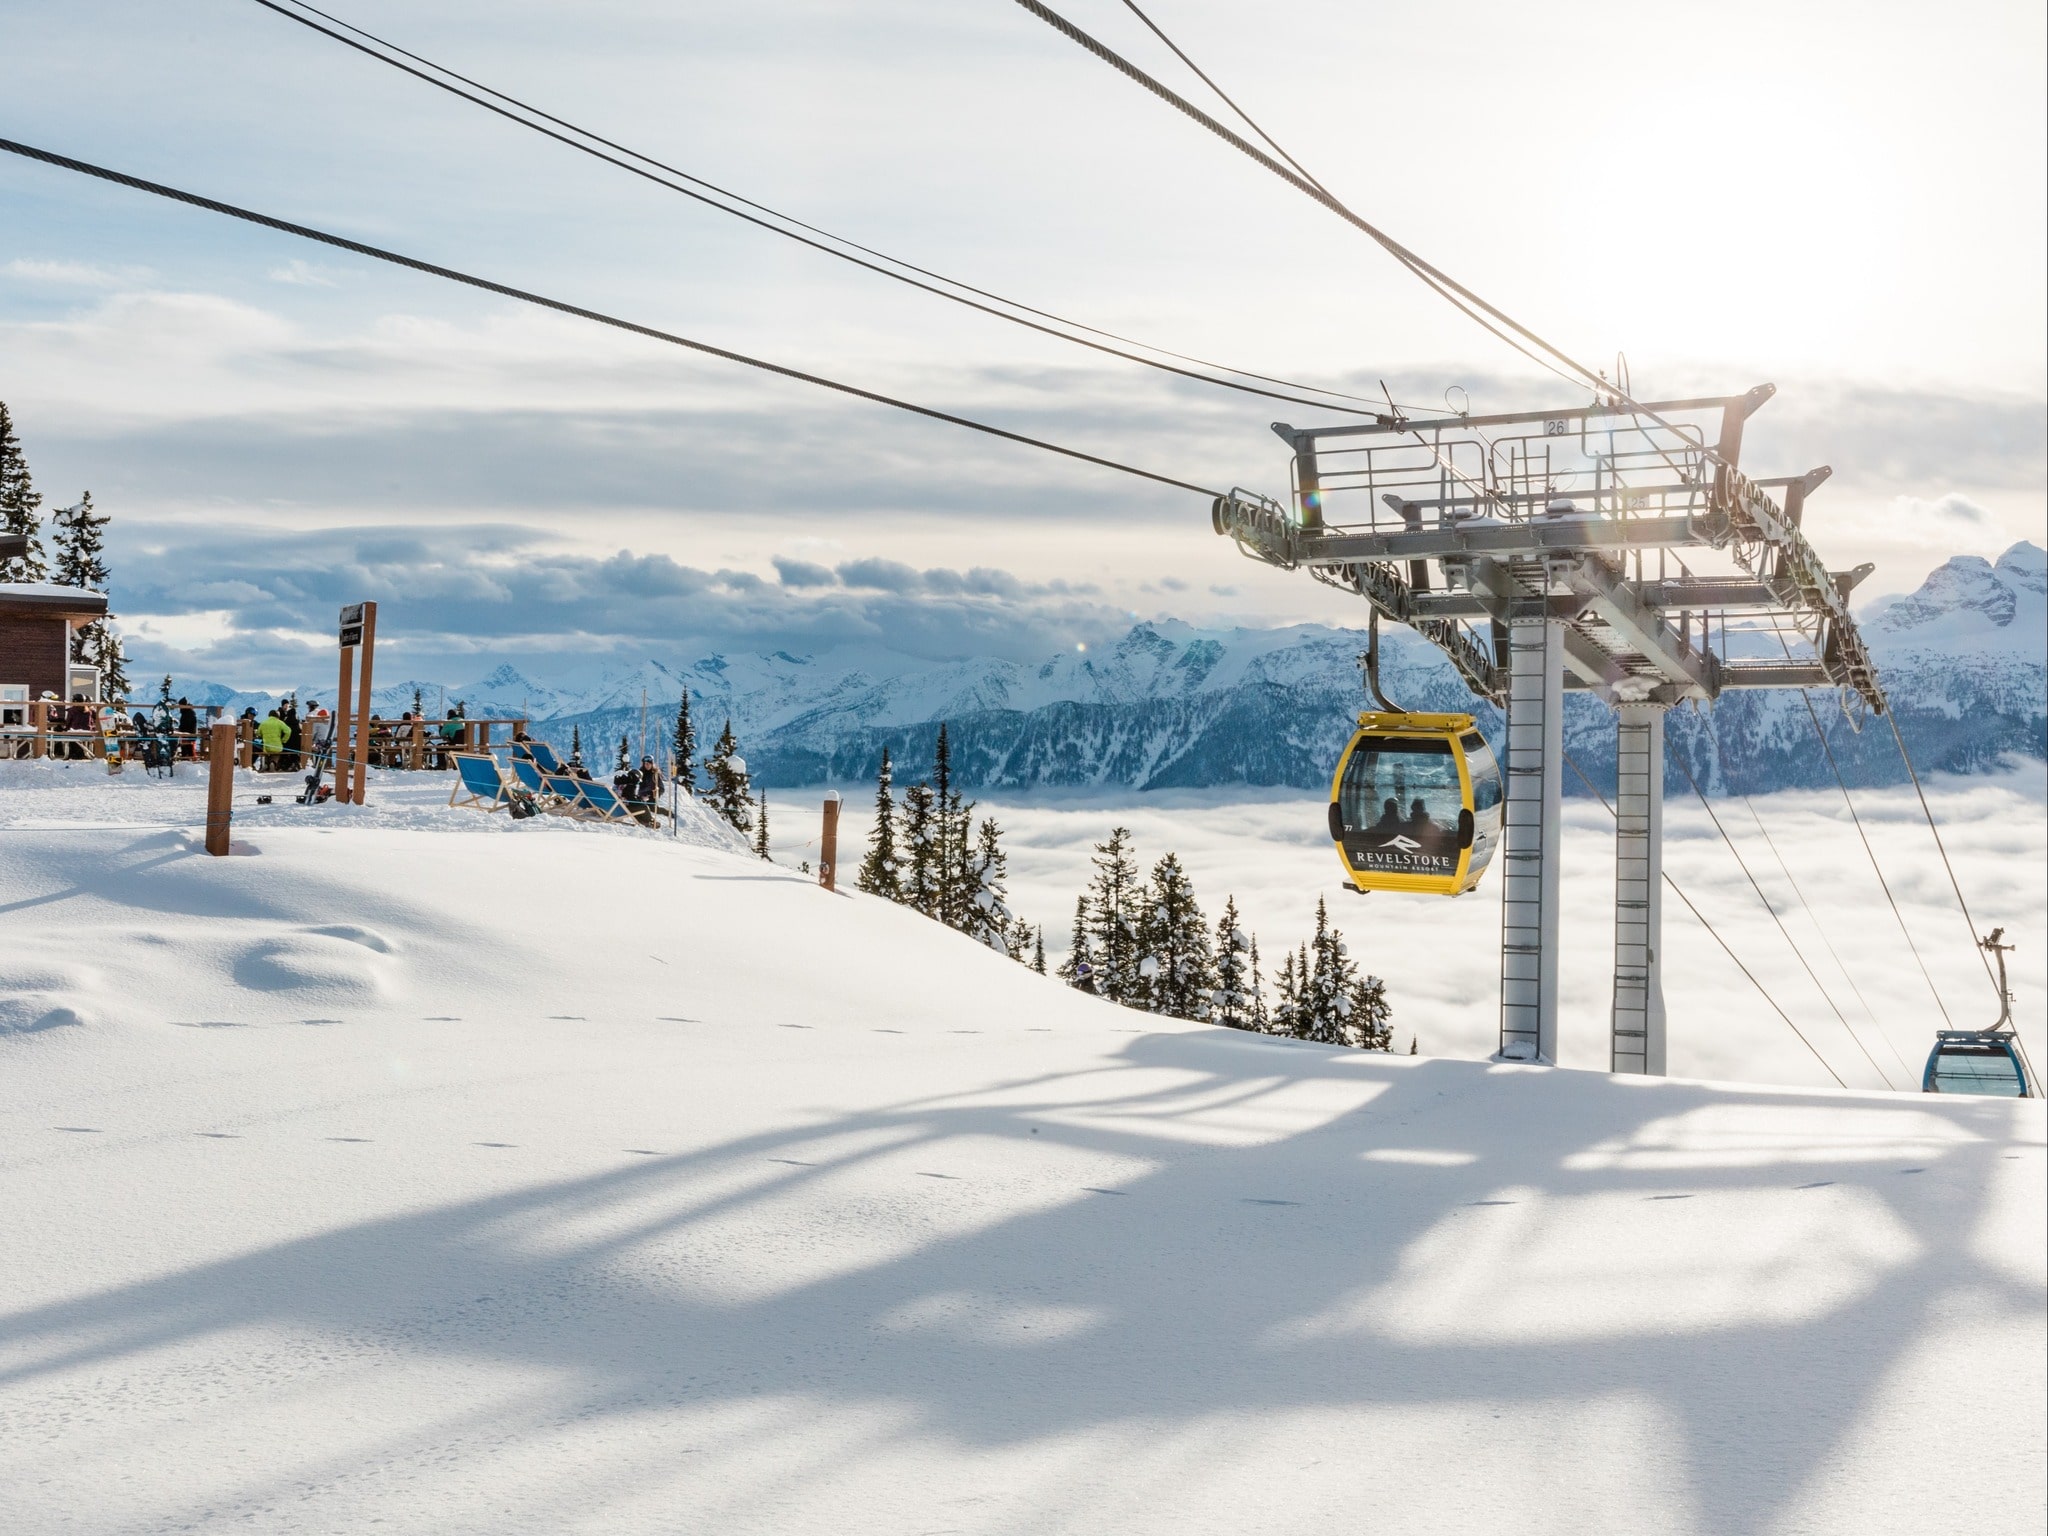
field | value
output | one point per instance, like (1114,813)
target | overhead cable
(560,306)
(1715,934)
(1784,932)
(775,221)
(1490,317)
(1814,917)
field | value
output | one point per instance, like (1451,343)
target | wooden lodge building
(37,620)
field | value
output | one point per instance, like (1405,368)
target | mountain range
(1964,661)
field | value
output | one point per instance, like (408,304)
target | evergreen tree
(1115,900)
(18,502)
(81,562)
(625,755)
(1038,954)
(727,790)
(921,852)
(955,843)
(878,870)
(1372,1016)
(1414,1045)
(761,830)
(419,705)
(986,915)
(1232,1002)
(1078,969)
(1173,937)
(683,750)
(1287,999)
(575,739)
(1262,1020)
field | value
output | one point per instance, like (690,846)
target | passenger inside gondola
(1390,817)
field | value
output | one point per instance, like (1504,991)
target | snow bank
(419,1168)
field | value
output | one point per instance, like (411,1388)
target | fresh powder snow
(416,1169)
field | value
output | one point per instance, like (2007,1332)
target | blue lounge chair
(478,781)
(570,800)
(541,754)
(601,799)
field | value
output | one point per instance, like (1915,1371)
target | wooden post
(245,743)
(220,786)
(828,843)
(338,742)
(39,712)
(361,756)
(419,741)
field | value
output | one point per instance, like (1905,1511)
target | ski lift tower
(1616,548)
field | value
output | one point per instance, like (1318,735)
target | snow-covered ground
(418,1170)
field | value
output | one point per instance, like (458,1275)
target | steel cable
(790,234)
(1799,954)
(305,232)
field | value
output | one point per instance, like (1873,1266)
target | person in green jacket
(270,735)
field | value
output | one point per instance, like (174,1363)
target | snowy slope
(421,1171)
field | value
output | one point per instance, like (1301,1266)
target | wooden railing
(408,744)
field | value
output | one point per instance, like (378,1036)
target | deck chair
(478,781)
(540,754)
(605,802)
(569,798)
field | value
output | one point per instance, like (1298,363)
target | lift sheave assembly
(1415,804)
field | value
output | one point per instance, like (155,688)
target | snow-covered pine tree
(1078,968)
(81,562)
(1115,901)
(1231,1003)
(575,740)
(954,837)
(1286,999)
(1372,1016)
(1334,999)
(683,748)
(878,876)
(986,915)
(625,755)
(921,850)
(761,846)
(419,705)
(1038,954)
(727,791)
(18,502)
(1414,1045)
(1262,1020)
(1174,936)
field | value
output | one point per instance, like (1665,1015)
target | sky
(1844,200)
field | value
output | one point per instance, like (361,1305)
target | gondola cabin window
(1485,772)
(1401,802)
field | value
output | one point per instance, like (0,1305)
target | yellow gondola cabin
(1416,804)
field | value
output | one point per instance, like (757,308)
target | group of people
(82,729)
(288,738)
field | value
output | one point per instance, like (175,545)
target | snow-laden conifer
(1232,1001)
(761,847)
(1038,951)
(575,739)
(1078,968)
(683,748)
(1262,1019)
(923,863)
(1173,940)
(878,874)
(727,790)
(18,502)
(81,562)
(1115,900)
(985,914)
(625,761)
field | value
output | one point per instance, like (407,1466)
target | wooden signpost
(220,785)
(828,845)
(351,748)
